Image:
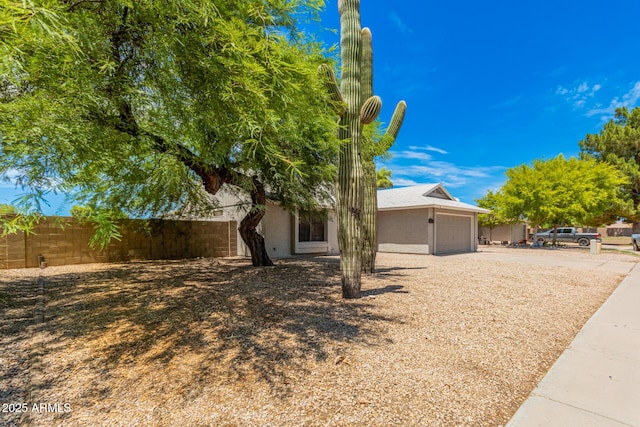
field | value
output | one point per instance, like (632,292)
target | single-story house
(426,219)
(422,219)
(285,233)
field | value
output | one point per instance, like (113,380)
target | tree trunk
(248,225)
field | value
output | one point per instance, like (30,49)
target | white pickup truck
(567,234)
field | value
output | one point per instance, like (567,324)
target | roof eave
(436,206)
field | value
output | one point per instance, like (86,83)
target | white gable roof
(422,196)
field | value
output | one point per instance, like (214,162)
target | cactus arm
(366,64)
(370,110)
(393,129)
(328,78)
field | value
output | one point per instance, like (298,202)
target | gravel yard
(439,341)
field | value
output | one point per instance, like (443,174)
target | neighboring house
(511,233)
(422,219)
(426,219)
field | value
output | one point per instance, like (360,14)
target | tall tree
(618,143)
(497,216)
(165,101)
(562,192)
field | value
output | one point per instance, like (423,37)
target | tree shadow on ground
(17,309)
(386,270)
(389,289)
(224,319)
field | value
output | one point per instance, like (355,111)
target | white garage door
(453,234)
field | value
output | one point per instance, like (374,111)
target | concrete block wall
(12,251)
(64,241)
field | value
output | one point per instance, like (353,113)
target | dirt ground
(438,341)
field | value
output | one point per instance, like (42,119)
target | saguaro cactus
(356,105)
(370,150)
(350,195)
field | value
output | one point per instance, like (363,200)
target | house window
(311,227)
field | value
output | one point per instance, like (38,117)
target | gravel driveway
(456,340)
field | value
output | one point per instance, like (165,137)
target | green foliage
(497,216)
(26,23)
(104,222)
(11,224)
(383,178)
(12,220)
(618,143)
(8,210)
(148,101)
(561,192)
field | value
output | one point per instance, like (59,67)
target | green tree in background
(383,178)
(562,192)
(8,210)
(618,143)
(497,216)
(151,105)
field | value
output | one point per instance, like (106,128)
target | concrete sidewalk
(596,381)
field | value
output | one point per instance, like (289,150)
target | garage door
(453,234)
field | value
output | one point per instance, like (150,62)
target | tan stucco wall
(332,224)
(276,226)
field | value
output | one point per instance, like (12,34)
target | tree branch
(212,177)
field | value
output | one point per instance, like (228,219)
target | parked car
(635,241)
(568,234)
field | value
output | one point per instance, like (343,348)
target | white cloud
(447,173)
(428,148)
(7,179)
(402,182)
(400,24)
(411,154)
(416,165)
(629,100)
(580,94)
(583,87)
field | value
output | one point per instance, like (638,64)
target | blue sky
(491,85)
